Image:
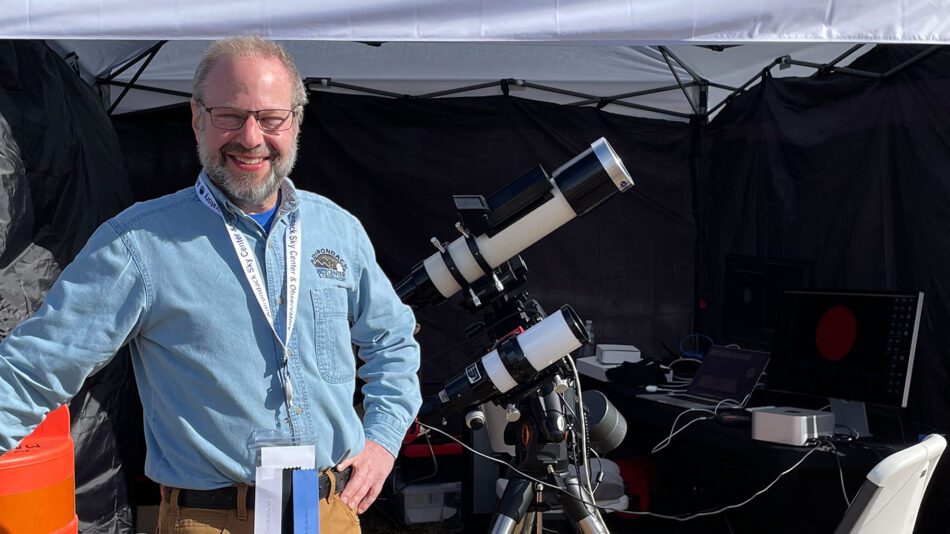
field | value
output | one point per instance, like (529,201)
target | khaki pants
(335,516)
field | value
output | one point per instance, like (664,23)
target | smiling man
(248,164)
(241,299)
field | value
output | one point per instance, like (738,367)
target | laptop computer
(725,374)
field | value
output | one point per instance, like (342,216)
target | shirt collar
(288,203)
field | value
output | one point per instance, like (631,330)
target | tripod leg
(582,512)
(513,505)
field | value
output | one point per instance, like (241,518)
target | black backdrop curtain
(395,164)
(851,174)
(61,175)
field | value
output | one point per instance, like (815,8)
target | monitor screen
(752,289)
(851,345)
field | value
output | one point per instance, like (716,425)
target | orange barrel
(37,481)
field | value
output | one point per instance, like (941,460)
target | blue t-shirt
(266,218)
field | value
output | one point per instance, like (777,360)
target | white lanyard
(292,239)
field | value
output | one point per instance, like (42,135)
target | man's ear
(196,118)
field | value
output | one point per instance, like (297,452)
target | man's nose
(250,135)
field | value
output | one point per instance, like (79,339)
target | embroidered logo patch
(329,264)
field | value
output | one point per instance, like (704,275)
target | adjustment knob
(475,419)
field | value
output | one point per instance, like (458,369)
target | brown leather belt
(226,498)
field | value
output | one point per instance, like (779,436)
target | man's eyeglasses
(269,120)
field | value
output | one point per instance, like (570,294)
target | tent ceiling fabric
(620,22)
(419,68)
(597,48)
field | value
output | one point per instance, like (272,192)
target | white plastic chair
(889,499)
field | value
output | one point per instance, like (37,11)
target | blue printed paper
(306,501)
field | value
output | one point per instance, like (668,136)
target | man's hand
(370,469)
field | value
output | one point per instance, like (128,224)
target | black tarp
(61,175)
(851,174)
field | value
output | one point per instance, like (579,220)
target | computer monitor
(849,345)
(752,289)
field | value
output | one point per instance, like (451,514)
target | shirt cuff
(385,430)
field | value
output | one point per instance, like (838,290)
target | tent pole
(151,50)
(135,78)
(605,101)
(830,67)
(911,61)
(630,95)
(648,108)
(704,102)
(695,75)
(743,87)
(328,82)
(148,88)
(698,126)
(462,89)
(787,60)
(666,57)
(726,87)
(850,51)
(588,99)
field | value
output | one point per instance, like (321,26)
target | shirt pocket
(334,351)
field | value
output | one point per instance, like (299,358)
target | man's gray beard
(240,187)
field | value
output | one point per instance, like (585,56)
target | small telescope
(518,361)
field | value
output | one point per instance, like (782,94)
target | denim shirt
(164,277)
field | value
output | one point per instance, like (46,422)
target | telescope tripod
(541,451)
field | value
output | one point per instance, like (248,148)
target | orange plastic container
(37,481)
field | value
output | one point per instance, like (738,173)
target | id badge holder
(284,461)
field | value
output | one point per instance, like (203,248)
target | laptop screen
(727,373)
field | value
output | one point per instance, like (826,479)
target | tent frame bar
(721,86)
(328,83)
(152,52)
(924,53)
(827,67)
(787,60)
(845,54)
(609,99)
(506,85)
(147,88)
(602,102)
(699,110)
(743,87)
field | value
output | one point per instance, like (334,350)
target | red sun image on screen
(836,333)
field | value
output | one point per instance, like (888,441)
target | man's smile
(248,163)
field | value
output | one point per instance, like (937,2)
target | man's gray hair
(248,46)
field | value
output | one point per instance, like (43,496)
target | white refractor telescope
(511,220)
(516,362)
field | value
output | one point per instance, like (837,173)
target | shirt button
(297,410)
(280,300)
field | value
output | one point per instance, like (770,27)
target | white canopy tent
(573,51)
(577,21)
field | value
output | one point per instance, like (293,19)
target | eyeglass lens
(267,119)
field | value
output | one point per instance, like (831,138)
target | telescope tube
(579,186)
(516,361)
